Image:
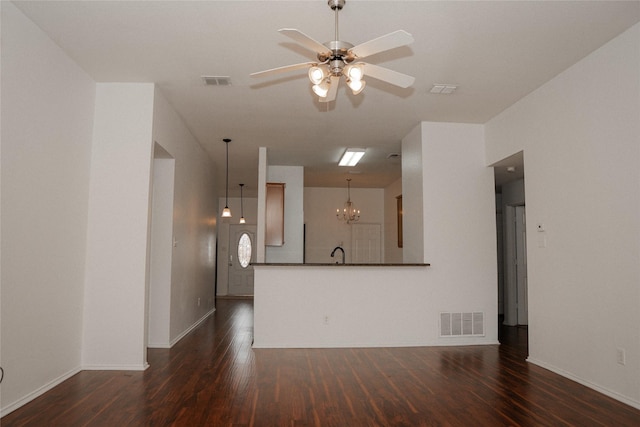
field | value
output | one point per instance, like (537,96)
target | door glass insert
(244,250)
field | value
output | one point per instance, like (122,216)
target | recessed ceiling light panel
(351,157)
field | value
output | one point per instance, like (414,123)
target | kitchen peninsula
(342,305)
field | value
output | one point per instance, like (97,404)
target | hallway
(214,378)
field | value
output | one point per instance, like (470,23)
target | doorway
(513,307)
(516,303)
(160,249)
(242,253)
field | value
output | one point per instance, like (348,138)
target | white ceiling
(496,52)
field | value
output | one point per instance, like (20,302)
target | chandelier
(349,213)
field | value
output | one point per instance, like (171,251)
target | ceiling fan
(338,58)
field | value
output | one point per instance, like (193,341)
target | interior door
(521,266)
(242,252)
(365,243)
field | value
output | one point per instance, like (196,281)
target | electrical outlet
(326,319)
(621,357)
(198,302)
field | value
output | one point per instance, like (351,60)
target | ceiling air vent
(443,89)
(217,80)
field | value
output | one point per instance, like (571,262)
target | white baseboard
(596,387)
(191,328)
(115,367)
(158,345)
(37,393)
(170,344)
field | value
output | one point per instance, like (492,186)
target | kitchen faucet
(333,252)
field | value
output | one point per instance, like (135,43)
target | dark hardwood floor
(213,377)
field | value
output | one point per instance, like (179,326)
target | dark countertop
(328,264)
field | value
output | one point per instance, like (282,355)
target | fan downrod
(340,55)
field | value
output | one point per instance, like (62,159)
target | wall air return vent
(462,324)
(217,80)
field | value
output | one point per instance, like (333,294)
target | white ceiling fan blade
(382,43)
(386,75)
(333,90)
(305,41)
(284,69)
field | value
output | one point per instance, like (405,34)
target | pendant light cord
(227,212)
(226,194)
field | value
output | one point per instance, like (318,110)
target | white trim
(159,345)
(191,328)
(596,387)
(37,393)
(142,367)
(369,345)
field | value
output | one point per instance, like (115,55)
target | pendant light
(349,212)
(226,212)
(242,220)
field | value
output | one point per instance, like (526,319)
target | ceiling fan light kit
(317,75)
(355,71)
(356,86)
(321,89)
(337,58)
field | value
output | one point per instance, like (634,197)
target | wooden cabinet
(274,214)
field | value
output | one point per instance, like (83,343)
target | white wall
(47,122)
(193,266)
(349,306)
(580,134)
(392,253)
(293,177)
(262,203)
(412,198)
(161,249)
(119,199)
(459,220)
(325,232)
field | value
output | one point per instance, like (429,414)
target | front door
(242,252)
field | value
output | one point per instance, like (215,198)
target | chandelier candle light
(349,212)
